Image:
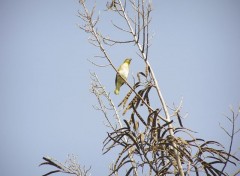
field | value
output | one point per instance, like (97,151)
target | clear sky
(45,103)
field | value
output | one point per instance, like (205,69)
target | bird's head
(128,61)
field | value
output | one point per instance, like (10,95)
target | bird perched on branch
(123,71)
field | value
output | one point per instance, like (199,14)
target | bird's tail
(116,91)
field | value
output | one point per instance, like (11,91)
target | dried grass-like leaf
(139,76)
(130,105)
(138,115)
(179,119)
(124,101)
(129,171)
(52,172)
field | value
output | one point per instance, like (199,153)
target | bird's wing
(117,75)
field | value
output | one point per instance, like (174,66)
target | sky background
(45,103)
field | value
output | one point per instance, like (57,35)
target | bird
(123,70)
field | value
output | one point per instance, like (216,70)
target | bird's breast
(124,71)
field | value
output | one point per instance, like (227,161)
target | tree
(150,137)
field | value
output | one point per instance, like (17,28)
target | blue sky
(45,103)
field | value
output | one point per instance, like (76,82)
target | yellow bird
(123,71)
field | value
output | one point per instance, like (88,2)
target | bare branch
(230,134)
(98,64)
